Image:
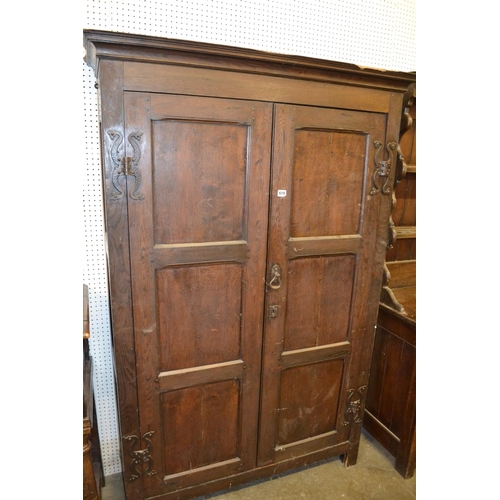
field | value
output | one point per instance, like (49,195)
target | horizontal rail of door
(197,253)
(314,354)
(323,245)
(190,377)
(202,474)
(305,446)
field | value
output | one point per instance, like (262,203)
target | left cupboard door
(197,193)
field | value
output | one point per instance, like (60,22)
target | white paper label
(281,193)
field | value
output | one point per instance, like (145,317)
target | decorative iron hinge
(141,456)
(352,412)
(382,168)
(125,165)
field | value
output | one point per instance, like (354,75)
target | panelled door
(248,291)
(198,189)
(322,230)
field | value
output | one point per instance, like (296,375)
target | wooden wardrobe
(247,204)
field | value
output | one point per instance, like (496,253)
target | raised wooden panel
(200,425)
(199,180)
(318,300)
(327,186)
(309,401)
(199,315)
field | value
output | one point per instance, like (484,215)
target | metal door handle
(275,281)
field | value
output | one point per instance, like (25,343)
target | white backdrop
(373,33)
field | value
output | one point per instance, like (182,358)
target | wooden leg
(406,457)
(351,457)
(406,454)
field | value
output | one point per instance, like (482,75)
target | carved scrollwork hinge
(141,456)
(352,412)
(125,165)
(382,168)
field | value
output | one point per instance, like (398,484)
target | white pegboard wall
(96,278)
(371,33)
(375,33)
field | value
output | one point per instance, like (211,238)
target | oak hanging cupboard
(247,203)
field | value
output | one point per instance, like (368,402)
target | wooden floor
(373,477)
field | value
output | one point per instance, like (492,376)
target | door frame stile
(392,121)
(148,375)
(111,110)
(264,311)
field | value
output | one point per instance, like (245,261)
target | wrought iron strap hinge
(382,168)
(125,165)
(141,456)
(352,413)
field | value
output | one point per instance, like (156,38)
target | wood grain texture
(403,273)
(199,315)
(327,183)
(189,377)
(309,401)
(194,419)
(318,301)
(199,253)
(141,77)
(208,159)
(324,245)
(315,354)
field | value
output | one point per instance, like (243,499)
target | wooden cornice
(129,47)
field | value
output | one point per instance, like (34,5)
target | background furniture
(93,476)
(390,413)
(247,201)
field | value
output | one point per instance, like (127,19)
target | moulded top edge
(109,44)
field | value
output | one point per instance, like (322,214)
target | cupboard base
(341,451)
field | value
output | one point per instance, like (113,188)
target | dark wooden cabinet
(247,200)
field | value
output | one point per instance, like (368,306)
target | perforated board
(369,33)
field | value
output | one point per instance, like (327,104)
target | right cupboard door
(324,217)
